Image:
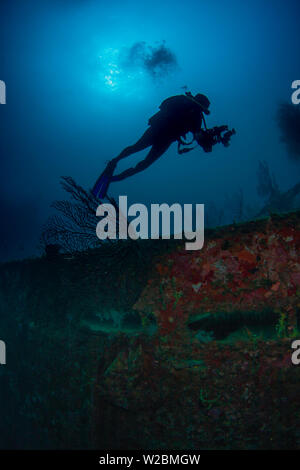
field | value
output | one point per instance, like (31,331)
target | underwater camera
(208,138)
(225,139)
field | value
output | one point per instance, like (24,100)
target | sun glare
(115,76)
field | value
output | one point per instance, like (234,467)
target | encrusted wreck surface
(249,267)
(188,350)
(181,390)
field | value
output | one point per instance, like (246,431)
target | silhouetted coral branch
(276,200)
(75,228)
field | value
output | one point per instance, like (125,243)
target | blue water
(73,102)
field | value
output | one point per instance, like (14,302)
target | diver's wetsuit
(178,115)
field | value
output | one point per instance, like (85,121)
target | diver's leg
(155,152)
(145,141)
(101,186)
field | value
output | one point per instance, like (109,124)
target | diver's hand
(205,139)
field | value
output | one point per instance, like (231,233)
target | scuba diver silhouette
(177,116)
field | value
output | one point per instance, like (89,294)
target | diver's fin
(102,184)
(101,187)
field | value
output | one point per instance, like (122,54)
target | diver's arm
(195,127)
(197,124)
